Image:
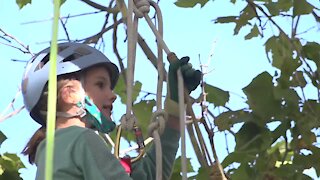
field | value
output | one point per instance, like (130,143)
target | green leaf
(282,54)
(298,80)
(289,102)
(62,2)
(252,138)
(237,156)
(190,3)
(143,112)
(280,130)
(312,51)
(22,3)
(121,90)
(284,6)
(260,97)
(177,168)
(216,95)
(243,172)
(226,120)
(2,138)
(10,165)
(301,7)
(273,8)
(246,14)
(226,19)
(203,173)
(253,33)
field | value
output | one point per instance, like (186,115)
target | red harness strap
(126,164)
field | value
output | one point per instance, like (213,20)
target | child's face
(98,88)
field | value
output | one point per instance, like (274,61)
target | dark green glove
(191,77)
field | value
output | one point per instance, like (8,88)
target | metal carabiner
(139,140)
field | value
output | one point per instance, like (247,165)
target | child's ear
(68,95)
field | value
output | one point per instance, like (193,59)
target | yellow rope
(52,93)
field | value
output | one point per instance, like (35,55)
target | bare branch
(67,17)
(65,28)
(2,118)
(26,48)
(100,7)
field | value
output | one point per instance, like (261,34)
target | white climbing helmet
(71,57)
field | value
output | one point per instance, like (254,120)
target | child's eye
(100,84)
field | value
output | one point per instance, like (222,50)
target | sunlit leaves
(216,95)
(190,3)
(9,166)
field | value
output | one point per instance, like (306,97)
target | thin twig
(27,50)
(65,28)
(2,118)
(67,17)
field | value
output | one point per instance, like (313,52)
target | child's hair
(31,148)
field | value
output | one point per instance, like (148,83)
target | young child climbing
(86,78)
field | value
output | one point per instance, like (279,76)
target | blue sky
(187,32)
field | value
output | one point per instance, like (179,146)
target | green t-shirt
(81,154)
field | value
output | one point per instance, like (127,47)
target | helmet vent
(79,52)
(72,57)
(43,62)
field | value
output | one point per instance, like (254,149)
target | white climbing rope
(141,8)
(182,125)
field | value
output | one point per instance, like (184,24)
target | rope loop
(128,121)
(158,118)
(142,7)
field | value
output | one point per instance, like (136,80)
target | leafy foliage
(216,95)
(9,164)
(177,168)
(262,153)
(22,3)
(121,89)
(190,4)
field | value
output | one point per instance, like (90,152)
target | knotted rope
(141,9)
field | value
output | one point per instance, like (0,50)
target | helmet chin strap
(80,113)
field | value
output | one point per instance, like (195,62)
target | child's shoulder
(74,131)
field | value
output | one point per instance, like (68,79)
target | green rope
(52,93)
